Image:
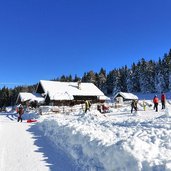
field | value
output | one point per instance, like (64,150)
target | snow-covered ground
(73,140)
(24,148)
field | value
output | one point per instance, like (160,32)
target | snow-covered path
(23,148)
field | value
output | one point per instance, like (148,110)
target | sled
(31,120)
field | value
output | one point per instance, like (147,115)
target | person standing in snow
(87,105)
(20,112)
(99,108)
(134,105)
(144,105)
(156,102)
(163,100)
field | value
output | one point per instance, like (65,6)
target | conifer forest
(143,76)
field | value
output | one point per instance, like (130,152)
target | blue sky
(41,39)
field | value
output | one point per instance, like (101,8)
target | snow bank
(167,112)
(113,142)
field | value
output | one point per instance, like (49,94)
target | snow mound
(112,142)
(167,112)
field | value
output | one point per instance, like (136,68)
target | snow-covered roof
(24,96)
(56,89)
(62,96)
(127,96)
(103,98)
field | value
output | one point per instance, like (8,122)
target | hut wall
(40,89)
(83,98)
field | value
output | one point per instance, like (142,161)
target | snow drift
(115,141)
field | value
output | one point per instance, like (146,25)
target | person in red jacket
(163,100)
(156,102)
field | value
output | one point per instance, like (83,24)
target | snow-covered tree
(129,81)
(146,76)
(123,73)
(101,80)
(160,84)
(117,85)
(135,78)
(113,82)
(110,81)
(170,81)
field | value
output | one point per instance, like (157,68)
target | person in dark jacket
(20,112)
(156,102)
(87,105)
(163,100)
(134,105)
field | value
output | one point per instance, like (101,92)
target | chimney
(79,84)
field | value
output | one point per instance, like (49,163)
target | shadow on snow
(10,116)
(56,159)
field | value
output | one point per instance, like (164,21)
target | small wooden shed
(123,96)
(28,98)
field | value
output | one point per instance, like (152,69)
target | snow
(53,88)
(128,96)
(62,96)
(23,147)
(74,140)
(103,98)
(24,96)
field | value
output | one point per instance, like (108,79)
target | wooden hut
(29,98)
(123,96)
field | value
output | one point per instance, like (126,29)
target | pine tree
(101,80)
(160,84)
(165,71)
(169,68)
(63,78)
(5,97)
(84,78)
(135,78)
(123,74)
(76,78)
(113,82)
(129,81)
(110,82)
(146,76)
(91,77)
(117,82)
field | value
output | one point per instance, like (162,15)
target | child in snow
(20,112)
(144,105)
(156,102)
(87,105)
(163,100)
(134,105)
